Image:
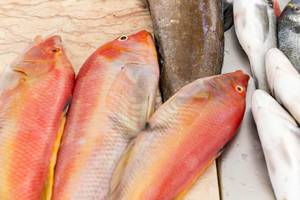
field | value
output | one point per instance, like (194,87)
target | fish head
(232,85)
(135,48)
(292,10)
(41,57)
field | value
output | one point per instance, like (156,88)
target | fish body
(191,40)
(279,5)
(284,81)
(255,26)
(114,96)
(182,138)
(289,32)
(34,93)
(280,138)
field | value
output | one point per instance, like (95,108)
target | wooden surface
(83,25)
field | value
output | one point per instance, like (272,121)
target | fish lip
(143,36)
(55,38)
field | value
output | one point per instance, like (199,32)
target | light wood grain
(84,25)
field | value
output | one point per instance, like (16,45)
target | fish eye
(123,38)
(56,50)
(239,89)
(296,8)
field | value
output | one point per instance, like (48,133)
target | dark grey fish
(289,32)
(190,37)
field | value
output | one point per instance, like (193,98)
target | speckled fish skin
(284,81)
(280,139)
(190,36)
(182,138)
(34,93)
(279,5)
(255,26)
(113,97)
(289,32)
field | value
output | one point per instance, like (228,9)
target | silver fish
(280,139)
(255,26)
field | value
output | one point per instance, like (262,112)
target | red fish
(113,98)
(34,94)
(182,138)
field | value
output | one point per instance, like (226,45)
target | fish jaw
(40,57)
(179,142)
(280,143)
(114,96)
(30,117)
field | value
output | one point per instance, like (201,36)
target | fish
(279,5)
(284,81)
(190,39)
(289,32)
(114,96)
(280,139)
(255,26)
(227,10)
(35,91)
(181,139)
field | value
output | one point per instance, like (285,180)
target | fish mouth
(143,37)
(55,39)
(241,78)
(270,2)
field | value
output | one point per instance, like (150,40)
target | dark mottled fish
(289,32)
(190,36)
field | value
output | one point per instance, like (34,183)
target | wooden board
(83,25)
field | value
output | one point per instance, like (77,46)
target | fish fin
(183,193)
(9,79)
(158,99)
(47,193)
(117,175)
